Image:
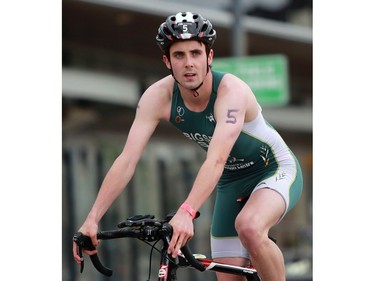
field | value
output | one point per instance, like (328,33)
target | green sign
(266,75)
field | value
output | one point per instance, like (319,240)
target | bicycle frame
(168,269)
(146,228)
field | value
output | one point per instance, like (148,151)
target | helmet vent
(185,26)
(166,31)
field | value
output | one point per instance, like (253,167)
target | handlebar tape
(191,259)
(84,241)
(168,230)
(99,266)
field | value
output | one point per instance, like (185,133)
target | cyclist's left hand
(183,231)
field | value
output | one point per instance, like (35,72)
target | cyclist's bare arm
(153,106)
(235,104)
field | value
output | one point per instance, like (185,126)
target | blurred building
(109,58)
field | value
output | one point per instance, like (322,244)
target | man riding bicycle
(256,176)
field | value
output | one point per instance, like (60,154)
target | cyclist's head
(185,26)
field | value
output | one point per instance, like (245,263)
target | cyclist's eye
(178,55)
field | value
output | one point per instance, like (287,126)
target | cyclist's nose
(188,62)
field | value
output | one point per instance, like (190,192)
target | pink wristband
(189,209)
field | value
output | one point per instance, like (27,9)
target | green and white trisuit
(259,158)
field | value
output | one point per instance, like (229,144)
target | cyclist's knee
(251,232)
(248,226)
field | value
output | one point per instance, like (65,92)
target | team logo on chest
(180,112)
(210,118)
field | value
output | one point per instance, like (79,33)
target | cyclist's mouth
(189,75)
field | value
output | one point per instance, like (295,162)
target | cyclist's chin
(190,85)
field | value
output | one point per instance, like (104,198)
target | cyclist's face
(188,60)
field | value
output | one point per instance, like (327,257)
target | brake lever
(83,242)
(81,257)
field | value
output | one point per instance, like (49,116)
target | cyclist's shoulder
(231,80)
(161,89)
(157,97)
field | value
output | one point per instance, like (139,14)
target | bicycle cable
(154,248)
(150,258)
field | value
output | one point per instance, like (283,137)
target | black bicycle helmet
(185,26)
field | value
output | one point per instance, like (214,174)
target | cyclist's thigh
(228,247)
(287,182)
(224,237)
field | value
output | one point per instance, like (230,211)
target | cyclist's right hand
(91,230)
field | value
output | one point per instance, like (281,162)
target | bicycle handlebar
(191,259)
(142,227)
(84,242)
